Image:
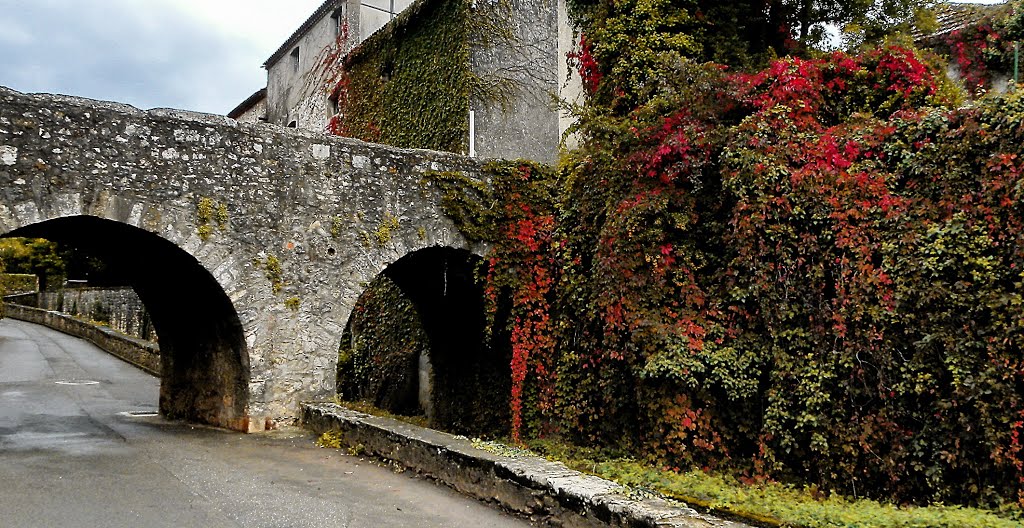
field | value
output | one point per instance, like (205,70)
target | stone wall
(548,493)
(118,308)
(142,354)
(524,123)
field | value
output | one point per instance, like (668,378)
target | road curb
(547,492)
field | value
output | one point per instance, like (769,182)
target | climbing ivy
(810,274)
(983,51)
(409,84)
(516,212)
(380,350)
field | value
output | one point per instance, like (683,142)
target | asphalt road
(71,454)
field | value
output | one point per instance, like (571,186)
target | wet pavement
(79,447)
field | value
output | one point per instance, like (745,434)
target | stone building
(296,95)
(253,109)
(528,68)
(993,57)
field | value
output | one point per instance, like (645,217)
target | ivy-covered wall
(981,53)
(380,350)
(429,306)
(810,273)
(408,85)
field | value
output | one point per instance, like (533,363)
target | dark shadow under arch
(204,360)
(470,380)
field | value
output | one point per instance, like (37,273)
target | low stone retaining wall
(547,492)
(24,299)
(118,308)
(143,354)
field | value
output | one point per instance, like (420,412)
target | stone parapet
(142,354)
(547,492)
(118,308)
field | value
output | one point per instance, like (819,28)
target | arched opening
(415,344)
(204,361)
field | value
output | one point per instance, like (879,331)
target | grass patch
(771,504)
(330,440)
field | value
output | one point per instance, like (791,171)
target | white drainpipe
(472,134)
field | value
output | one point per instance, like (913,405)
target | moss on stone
(210,212)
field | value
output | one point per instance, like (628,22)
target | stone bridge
(249,244)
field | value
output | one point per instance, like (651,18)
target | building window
(295,58)
(338,22)
(375,14)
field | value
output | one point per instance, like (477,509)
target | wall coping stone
(49,100)
(545,491)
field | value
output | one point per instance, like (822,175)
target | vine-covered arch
(415,343)
(204,358)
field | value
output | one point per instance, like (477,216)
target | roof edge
(955,16)
(329,5)
(248,103)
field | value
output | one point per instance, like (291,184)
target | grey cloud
(126,51)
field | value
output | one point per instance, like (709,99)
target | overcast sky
(204,55)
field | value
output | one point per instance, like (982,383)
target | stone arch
(469,378)
(204,358)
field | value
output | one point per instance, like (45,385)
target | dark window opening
(338,21)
